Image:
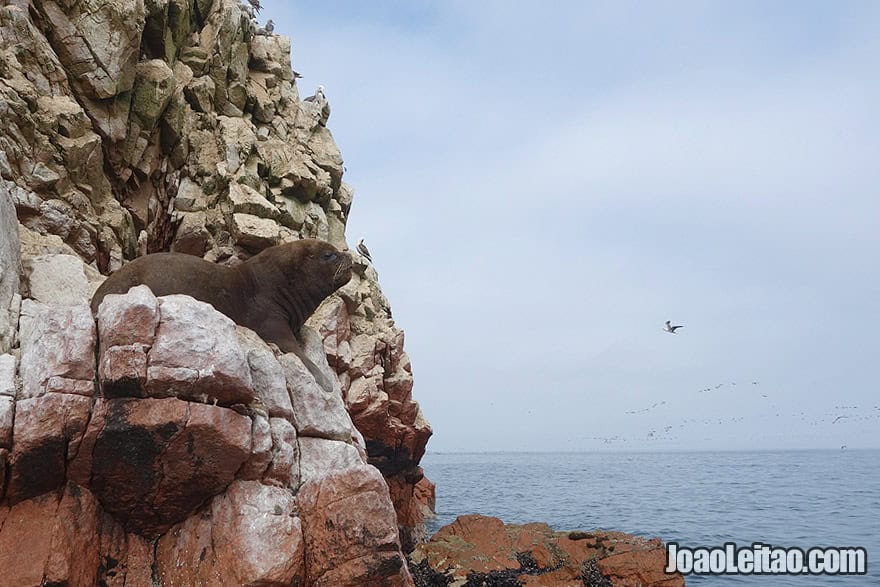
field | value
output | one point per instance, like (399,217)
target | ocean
(786,498)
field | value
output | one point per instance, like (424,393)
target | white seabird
(668,327)
(363,250)
(318,97)
(266,31)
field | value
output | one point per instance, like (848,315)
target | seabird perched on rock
(267,30)
(670,328)
(318,96)
(363,250)
(321,106)
(255,4)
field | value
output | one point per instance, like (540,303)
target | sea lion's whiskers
(340,269)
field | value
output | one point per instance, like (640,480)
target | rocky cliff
(160,443)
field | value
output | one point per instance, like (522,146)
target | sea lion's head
(309,265)
(324,259)
(294,278)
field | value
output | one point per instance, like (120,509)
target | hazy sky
(542,184)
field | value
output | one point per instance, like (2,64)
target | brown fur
(272,293)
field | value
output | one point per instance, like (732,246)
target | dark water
(786,498)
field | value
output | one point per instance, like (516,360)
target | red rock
(397,357)
(424,494)
(414,502)
(152,462)
(46,433)
(50,540)
(578,551)
(7,417)
(185,554)
(481,544)
(639,567)
(4,456)
(392,446)
(376,379)
(57,349)
(126,319)
(488,545)
(125,559)
(123,370)
(350,531)
(363,350)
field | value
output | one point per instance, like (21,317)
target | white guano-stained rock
(56,279)
(7,375)
(57,349)
(319,457)
(316,411)
(267,375)
(196,355)
(10,269)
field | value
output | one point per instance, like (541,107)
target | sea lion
(273,293)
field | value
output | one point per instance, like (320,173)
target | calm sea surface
(787,498)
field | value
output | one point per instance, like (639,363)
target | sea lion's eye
(329,256)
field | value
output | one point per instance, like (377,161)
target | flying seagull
(670,328)
(363,250)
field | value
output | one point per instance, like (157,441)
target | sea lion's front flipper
(279,333)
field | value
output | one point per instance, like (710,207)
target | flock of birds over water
(839,416)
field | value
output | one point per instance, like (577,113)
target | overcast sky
(542,185)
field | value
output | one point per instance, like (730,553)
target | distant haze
(541,187)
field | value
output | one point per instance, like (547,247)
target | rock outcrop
(161,443)
(366,350)
(480,550)
(10,269)
(191,462)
